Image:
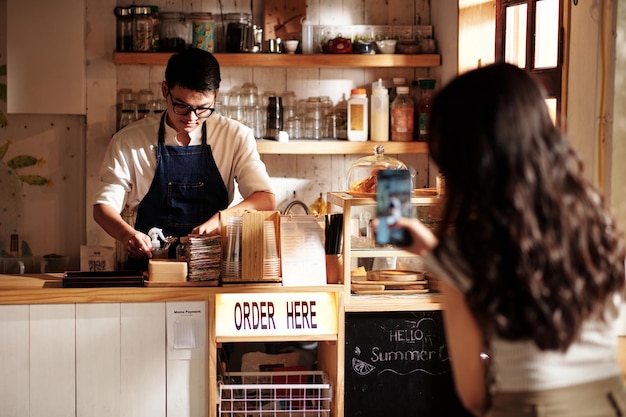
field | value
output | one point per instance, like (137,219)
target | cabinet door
(142,345)
(187,356)
(98,334)
(46,56)
(14,381)
(52,360)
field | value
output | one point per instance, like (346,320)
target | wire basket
(277,394)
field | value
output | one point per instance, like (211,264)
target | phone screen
(393,199)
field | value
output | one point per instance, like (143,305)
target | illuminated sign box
(276,314)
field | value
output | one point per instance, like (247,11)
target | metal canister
(274,118)
(203,31)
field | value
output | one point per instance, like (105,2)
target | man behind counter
(178,172)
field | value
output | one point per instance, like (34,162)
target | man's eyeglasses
(184,109)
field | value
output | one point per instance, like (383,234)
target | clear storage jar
(124,32)
(239,36)
(142,29)
(175,32)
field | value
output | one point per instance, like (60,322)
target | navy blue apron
(186,191)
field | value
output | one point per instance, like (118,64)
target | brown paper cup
(334,269)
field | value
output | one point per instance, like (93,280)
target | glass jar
(142,29)
(175,32)
(239,36)
(361,178)
(124,32)
(203,31)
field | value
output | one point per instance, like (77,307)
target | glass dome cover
(361,177)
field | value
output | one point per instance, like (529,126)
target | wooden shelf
(382,303)
(292,61)
(341,147)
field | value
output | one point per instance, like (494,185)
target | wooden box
(252,244)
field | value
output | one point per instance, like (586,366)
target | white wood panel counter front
(109,351)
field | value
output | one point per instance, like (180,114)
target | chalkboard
(397,364)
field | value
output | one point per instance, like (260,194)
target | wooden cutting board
(282,19)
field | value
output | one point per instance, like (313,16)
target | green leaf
(34,180)
(3,69)
(3,149)
(26,251)
(3,92)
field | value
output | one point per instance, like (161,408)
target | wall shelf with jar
(296,60)
(332,146)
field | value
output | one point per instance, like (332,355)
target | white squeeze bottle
(307,37)
(357,115)
(379,124)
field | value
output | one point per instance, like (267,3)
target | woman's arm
(465,345)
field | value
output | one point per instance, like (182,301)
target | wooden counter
(48,289)
(55,324)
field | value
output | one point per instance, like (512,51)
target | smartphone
(393,199)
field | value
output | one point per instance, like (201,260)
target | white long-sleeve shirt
(130,161)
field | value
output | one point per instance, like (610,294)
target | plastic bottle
(307,37)
(357,115)
(393,90)
(427,88)
(402,111)
(379,129)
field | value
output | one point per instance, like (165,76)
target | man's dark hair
(194,69)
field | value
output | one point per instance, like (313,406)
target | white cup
(13,266)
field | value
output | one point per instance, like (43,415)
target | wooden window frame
(551,78)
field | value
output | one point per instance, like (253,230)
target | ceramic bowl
(291,46)
(408,47)
(386,46)
(362,47)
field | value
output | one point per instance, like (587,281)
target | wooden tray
(396,275)
(384,292)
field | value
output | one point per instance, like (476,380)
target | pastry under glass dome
(361,177)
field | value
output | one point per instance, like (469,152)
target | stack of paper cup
(231,259)
(271,261)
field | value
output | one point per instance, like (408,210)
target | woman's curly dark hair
(543,249)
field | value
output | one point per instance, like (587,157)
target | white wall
(50,217)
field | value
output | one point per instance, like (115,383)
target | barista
(178,172)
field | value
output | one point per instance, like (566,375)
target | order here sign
(276,314)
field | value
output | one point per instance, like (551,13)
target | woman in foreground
(531,261)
